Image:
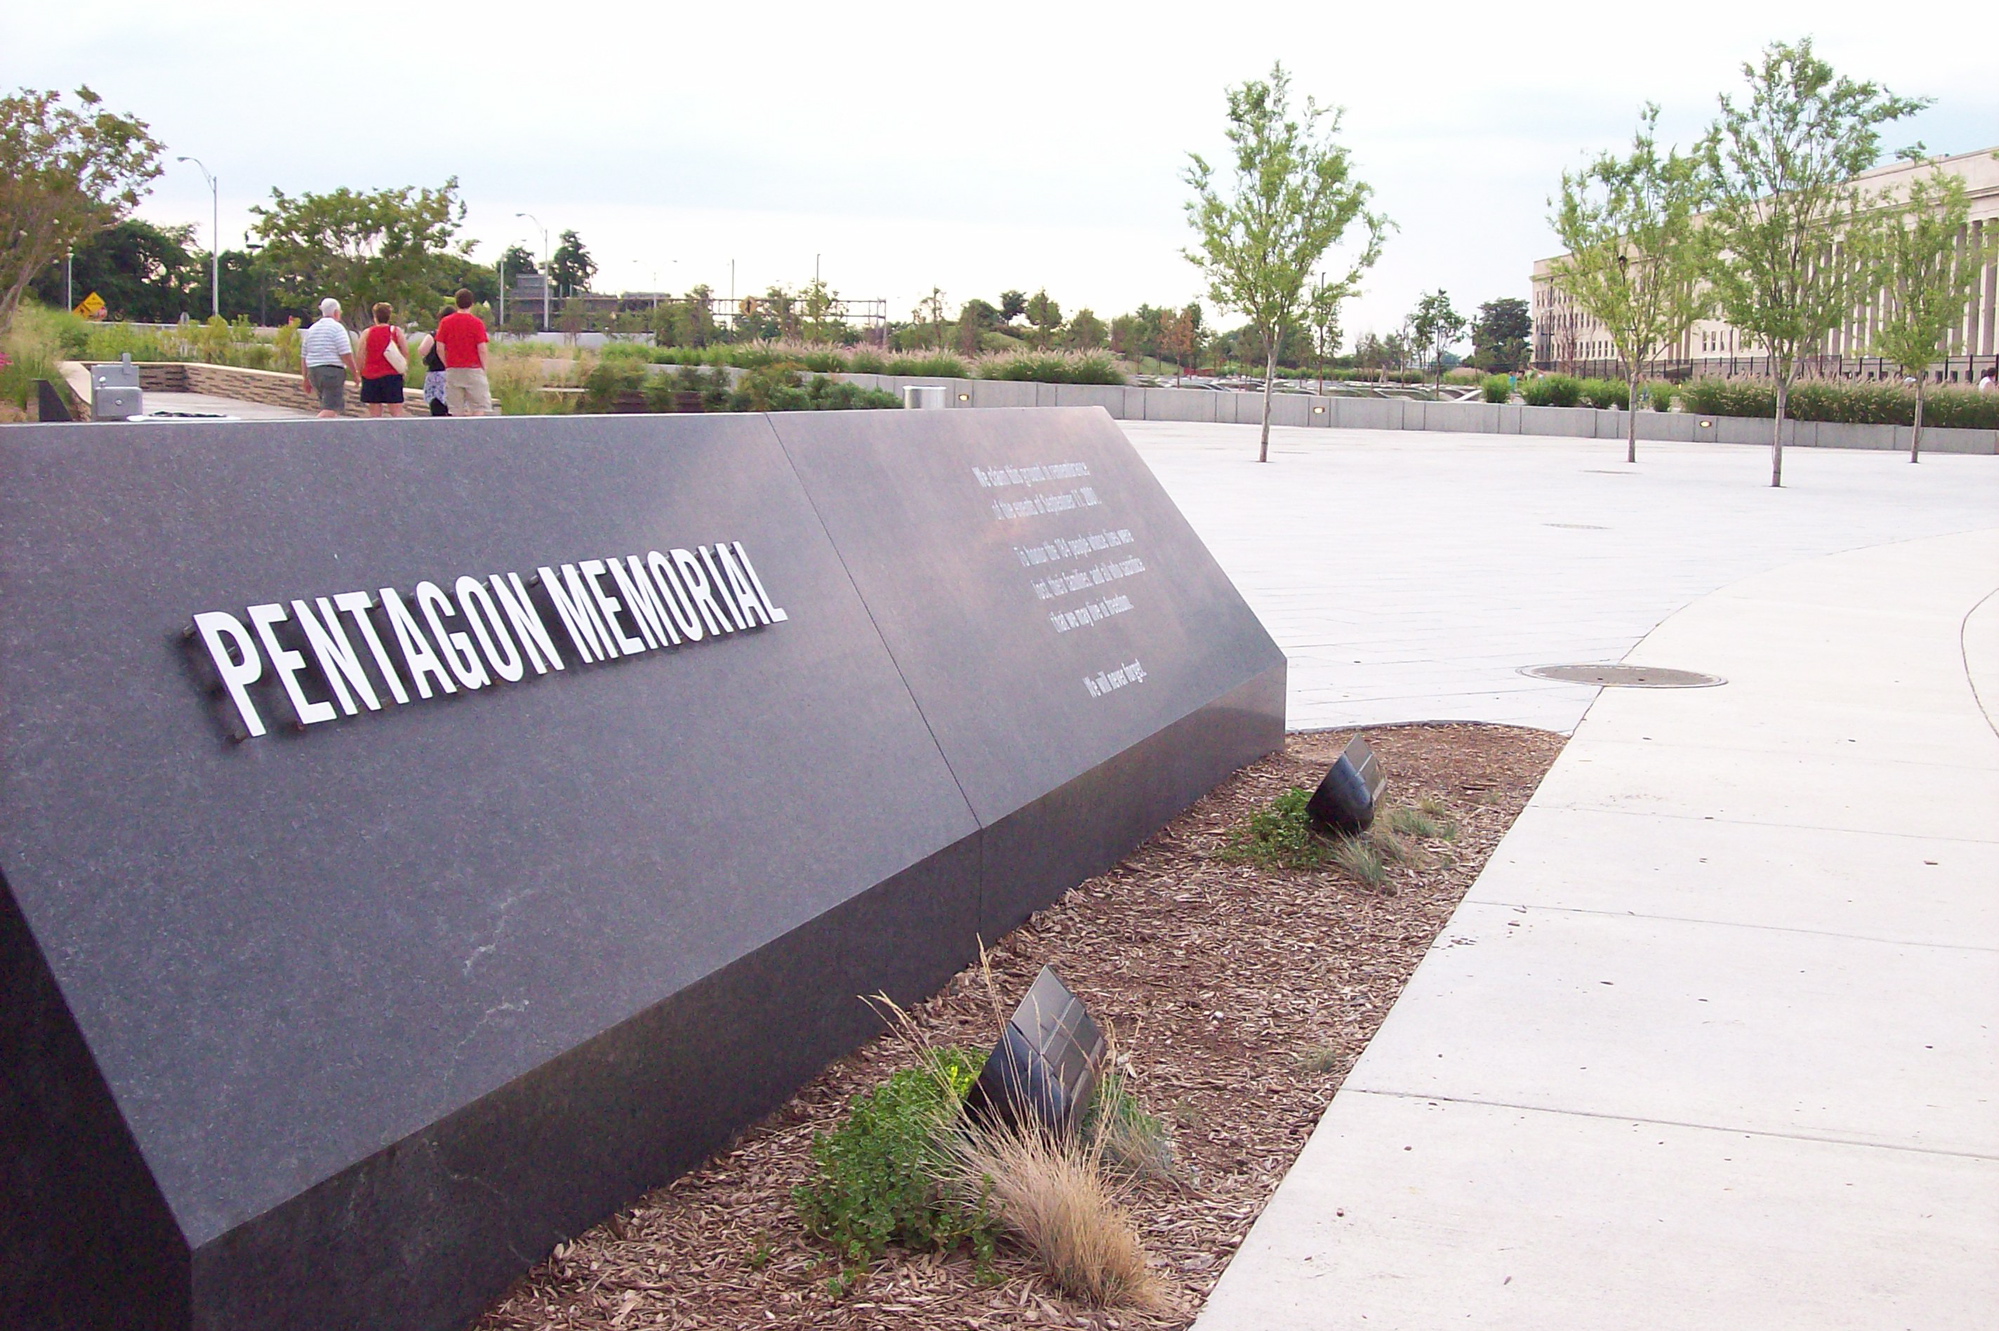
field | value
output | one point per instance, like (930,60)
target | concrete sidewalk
(1711,1042)
(1409,576)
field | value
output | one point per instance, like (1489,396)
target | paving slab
(1406,1214)
(1714,1039)
(1410,575)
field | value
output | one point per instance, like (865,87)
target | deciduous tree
(1502,335)
(1928,266)
(571,266)
(1086,330)
(364,246)
(66,173)
(1634,257)
(1789,232)
(1433,326)
(1045,315)
(1292,196)
(1322,321)
(142,271)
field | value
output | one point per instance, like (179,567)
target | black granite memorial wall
(418,838)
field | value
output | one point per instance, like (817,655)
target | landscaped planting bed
(1239,994)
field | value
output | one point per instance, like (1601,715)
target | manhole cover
(1625,676)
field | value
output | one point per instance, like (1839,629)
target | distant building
(1567,339)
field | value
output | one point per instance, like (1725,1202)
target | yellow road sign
(91,306)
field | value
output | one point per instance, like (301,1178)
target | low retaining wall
(1131,403)
(268,388)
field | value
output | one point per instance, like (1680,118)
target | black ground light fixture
(1045,1063)
(1345,800)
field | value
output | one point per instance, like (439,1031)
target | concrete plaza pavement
(1711,1042)
(1409,576)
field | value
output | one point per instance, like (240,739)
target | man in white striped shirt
(328,354)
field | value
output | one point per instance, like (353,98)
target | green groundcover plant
(875,1178)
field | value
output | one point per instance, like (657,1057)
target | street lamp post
(253,249)
(545,321)
(214,237)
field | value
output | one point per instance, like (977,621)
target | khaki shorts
(330,382)
(467,393)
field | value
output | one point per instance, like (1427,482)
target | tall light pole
(544,268)
(69,277)
(214,237)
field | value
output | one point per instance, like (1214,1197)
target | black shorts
(387,388)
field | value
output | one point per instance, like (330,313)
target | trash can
(925,397)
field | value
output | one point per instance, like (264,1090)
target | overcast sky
(905,146)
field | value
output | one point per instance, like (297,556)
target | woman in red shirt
(381,379)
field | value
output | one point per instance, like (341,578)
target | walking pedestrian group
(454,357)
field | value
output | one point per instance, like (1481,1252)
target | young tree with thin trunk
(1293,198)
(1634,260)
(66,173)
(1789,232)
(1928,266)
(1433,326)
(1322,320)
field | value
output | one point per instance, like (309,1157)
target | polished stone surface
(391,1003)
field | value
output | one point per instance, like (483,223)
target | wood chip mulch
(1241,996)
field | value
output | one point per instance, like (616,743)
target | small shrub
(1552,390)
(1604,394)
(867,361)
(1657,395)
(1730,397)
(611,377)
(1496,388)
(1960,409)
(1282,836)
(877,1176)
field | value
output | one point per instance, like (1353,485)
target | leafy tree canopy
(1291,198)
(1086,330)
(1635,257)
(516,260)
(1433,326)
(1502,335)
(1780,171)
(66,172)
(1012,305)
(361,247)
(143,272)
(1928,264)
(571,266)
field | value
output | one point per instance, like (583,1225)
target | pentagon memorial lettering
(483,631)
(345,1024)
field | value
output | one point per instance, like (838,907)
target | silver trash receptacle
(114,390)
(925,397)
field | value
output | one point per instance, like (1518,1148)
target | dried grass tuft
(1055,1198)
(1360,859)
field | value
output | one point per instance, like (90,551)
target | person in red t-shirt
(464,339)
(381,379)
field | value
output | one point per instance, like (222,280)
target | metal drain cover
(1625,676)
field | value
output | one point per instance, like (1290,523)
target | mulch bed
(1241,996)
